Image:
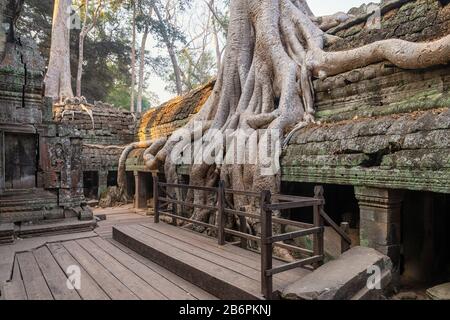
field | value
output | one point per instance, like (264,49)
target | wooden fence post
(266,245)
(318,222)
(221,213)
(156,196)
(243,229)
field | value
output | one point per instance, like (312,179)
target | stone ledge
(343,278)
(416,180)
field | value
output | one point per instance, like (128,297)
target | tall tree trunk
(83,34)
(176,68)
(2,32)
(133,59)
(80,63)
(58,78)
(217,45)
(172,54)
(141,69)
(215,35)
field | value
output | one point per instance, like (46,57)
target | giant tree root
(274,49)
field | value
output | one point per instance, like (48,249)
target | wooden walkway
(109,270)
(228,272)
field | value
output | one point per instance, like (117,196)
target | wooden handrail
(293,265)
(193,205)
(203,224)
(295,234)
(186,186)
(336,228)
(266,240)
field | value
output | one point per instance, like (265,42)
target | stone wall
(162,121)
(409,151)
(40,161)
(104,128)
(381,126)
(417,21)
(98,123)
(382,88)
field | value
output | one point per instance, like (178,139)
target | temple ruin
(41,184)
(380,149)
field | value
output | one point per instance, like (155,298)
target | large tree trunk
(84,32)
(172,54)
(133,59)
(274,48)
(211,6)
(2,32)
(80,62)
(58,78)
(141,69)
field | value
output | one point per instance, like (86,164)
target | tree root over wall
(274,50)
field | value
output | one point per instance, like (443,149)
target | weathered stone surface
(440,292)
(53,182)
(6,233)
(343,278)
(162,121)
(399,146)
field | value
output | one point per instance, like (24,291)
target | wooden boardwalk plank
(233,253)
(135,284)
(216,279)
(203,253)
(55,277)
(205,242)
(157,281)
(111,285)
(195,291)
(89,290)
(15,289)
(34,282)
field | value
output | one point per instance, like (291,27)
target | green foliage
(107,49)
(120,97)
(197,69)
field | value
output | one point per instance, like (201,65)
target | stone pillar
(140,198)
(380,220)
(102,182)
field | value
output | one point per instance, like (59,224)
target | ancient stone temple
(381,149)
(105,131)
(41,177)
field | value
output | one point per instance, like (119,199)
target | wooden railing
(267,240)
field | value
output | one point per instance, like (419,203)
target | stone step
(6,233)
(55,228)
(359,274)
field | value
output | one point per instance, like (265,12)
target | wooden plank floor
(227,272)
(108,270)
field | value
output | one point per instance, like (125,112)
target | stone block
(348,277)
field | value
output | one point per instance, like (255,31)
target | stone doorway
(20,161)
(426,238)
